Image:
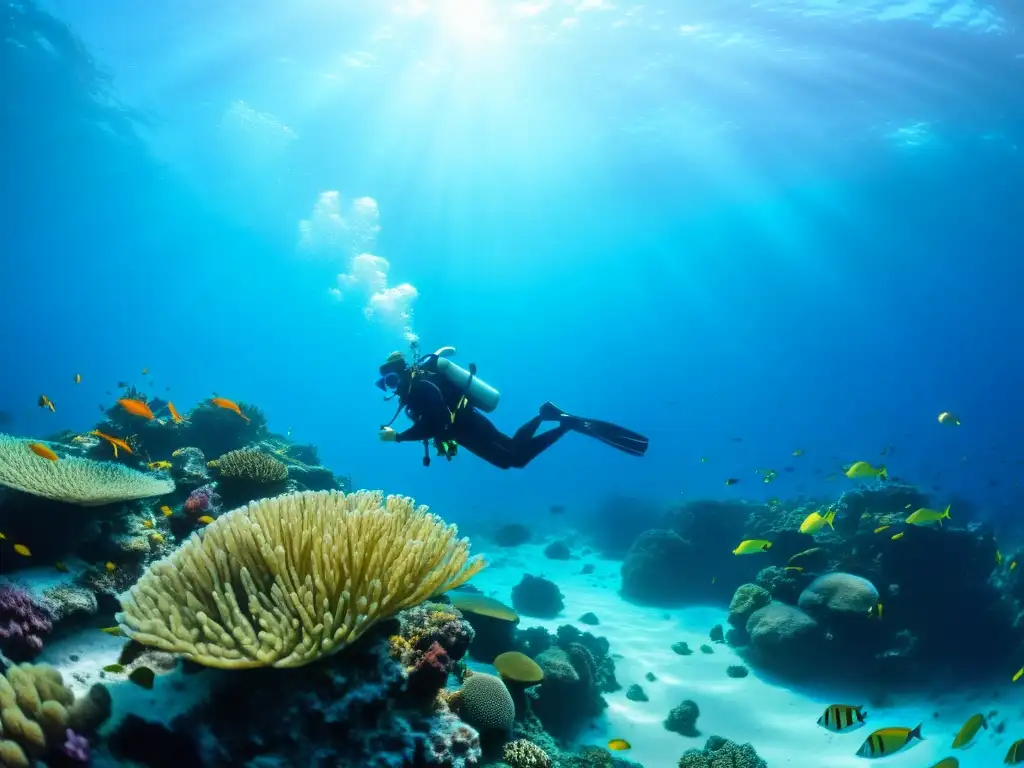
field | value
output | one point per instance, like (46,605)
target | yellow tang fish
(750,546)
(147,523)
(949,762)
(888,740)
(176,453)
(205,519)
(898,536)
(815,521)
(166,510)
(110,567)
(881,528)
(840,718)
(157,538)
(861,469)
(1015,755)
(22,550)
(1017,676)
(928,516)
(970,728)
(115,631)
(159,465)
(618,745)
(948,419)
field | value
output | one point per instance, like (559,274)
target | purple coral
(76,747)
(23,623)
(205,500)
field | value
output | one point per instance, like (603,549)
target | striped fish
(1016,754)
(840,718)
(885,741)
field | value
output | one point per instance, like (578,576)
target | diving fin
(624,439)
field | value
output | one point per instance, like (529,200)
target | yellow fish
(888,740)
(793,568)
(147,523)
(159,465)
(840,718)
(881,528)
(815,521)
(999,557)
(1017,676)
(157,538)
(1015,755)
(898,536)
(45,402)
(1013,565)
(618,745)
(42,451)
(166,510)
(115,631)
(928,516)
(22,550)
(970,728)
(110,567)
(78,378)
(949,762)
(861,469)
(205,519)
(948,419)
(878,610)
(176,453)
(750,546)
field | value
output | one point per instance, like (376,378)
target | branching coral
(525,754)
(722,752)
(287,580)
(37,712)
(252,466)
(74,480)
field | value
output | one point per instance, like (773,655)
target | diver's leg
(528,430)
(529,449)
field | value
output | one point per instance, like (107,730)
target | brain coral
(284,581)
(74,480)
(839,594)
(255,466)
(484,702)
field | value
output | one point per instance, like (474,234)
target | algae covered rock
(747,599)
(841,596)
(536,596)
(683,719)
(782,636)
(722,753)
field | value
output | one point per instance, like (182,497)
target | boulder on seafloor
(839,597)
(783,639)
(536,596)
(745,600)
(784,586)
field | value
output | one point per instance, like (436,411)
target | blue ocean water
(794,223)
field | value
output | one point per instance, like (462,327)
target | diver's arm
(425,400)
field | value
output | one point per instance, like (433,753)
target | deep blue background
(798,229)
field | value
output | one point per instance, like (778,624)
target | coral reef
(658,570)
(525,754)
(839,597)
(557,550)
(70,603)
(722,753)
(40,715)
(24,623)
(215,431)
(484,702)
(782,638)
(203,501)
(683,719)
(278,556)
(74,480)
(493,622)
(617,522)
(189,468)
(536,596)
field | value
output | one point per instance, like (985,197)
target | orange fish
(45,402)
(135,407)
(41,450)
(223,402)
(114,441)
(174,413)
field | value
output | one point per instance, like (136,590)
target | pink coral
(203,500)
(23,623)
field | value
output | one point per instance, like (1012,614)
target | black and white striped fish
(840,718)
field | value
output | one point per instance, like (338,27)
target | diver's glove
(387,435)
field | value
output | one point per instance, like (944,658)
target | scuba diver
(447,404)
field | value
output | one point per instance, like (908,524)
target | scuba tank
(479,393)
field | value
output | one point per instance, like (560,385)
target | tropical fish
(114,441)
(732,481)
(3,537)
(898,536)
(618,745)
(885,741)
(159,465)
(22,550)
(948,419)
(157,538)
(881,528)
(41,450)
(969,730)
(750,546)
(928,516)
(115,631)
(861,469)
(1019,673)
(166,510)
(109,566)
(769,474)
(797,568)
(205,519)
(177,452)
(147,523)
(878,610)
(815,521)
(840,718)
(142,677)
(45,402)
(78,378)
(61,568)
(145,371)
(136,407)
(174,413)
(949,762)
(1015,755)
(223,402)
(114,668)
(999,557)
(79,439)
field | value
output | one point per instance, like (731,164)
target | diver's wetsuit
(431,400)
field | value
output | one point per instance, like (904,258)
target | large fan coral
(284,581)
(74,480)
